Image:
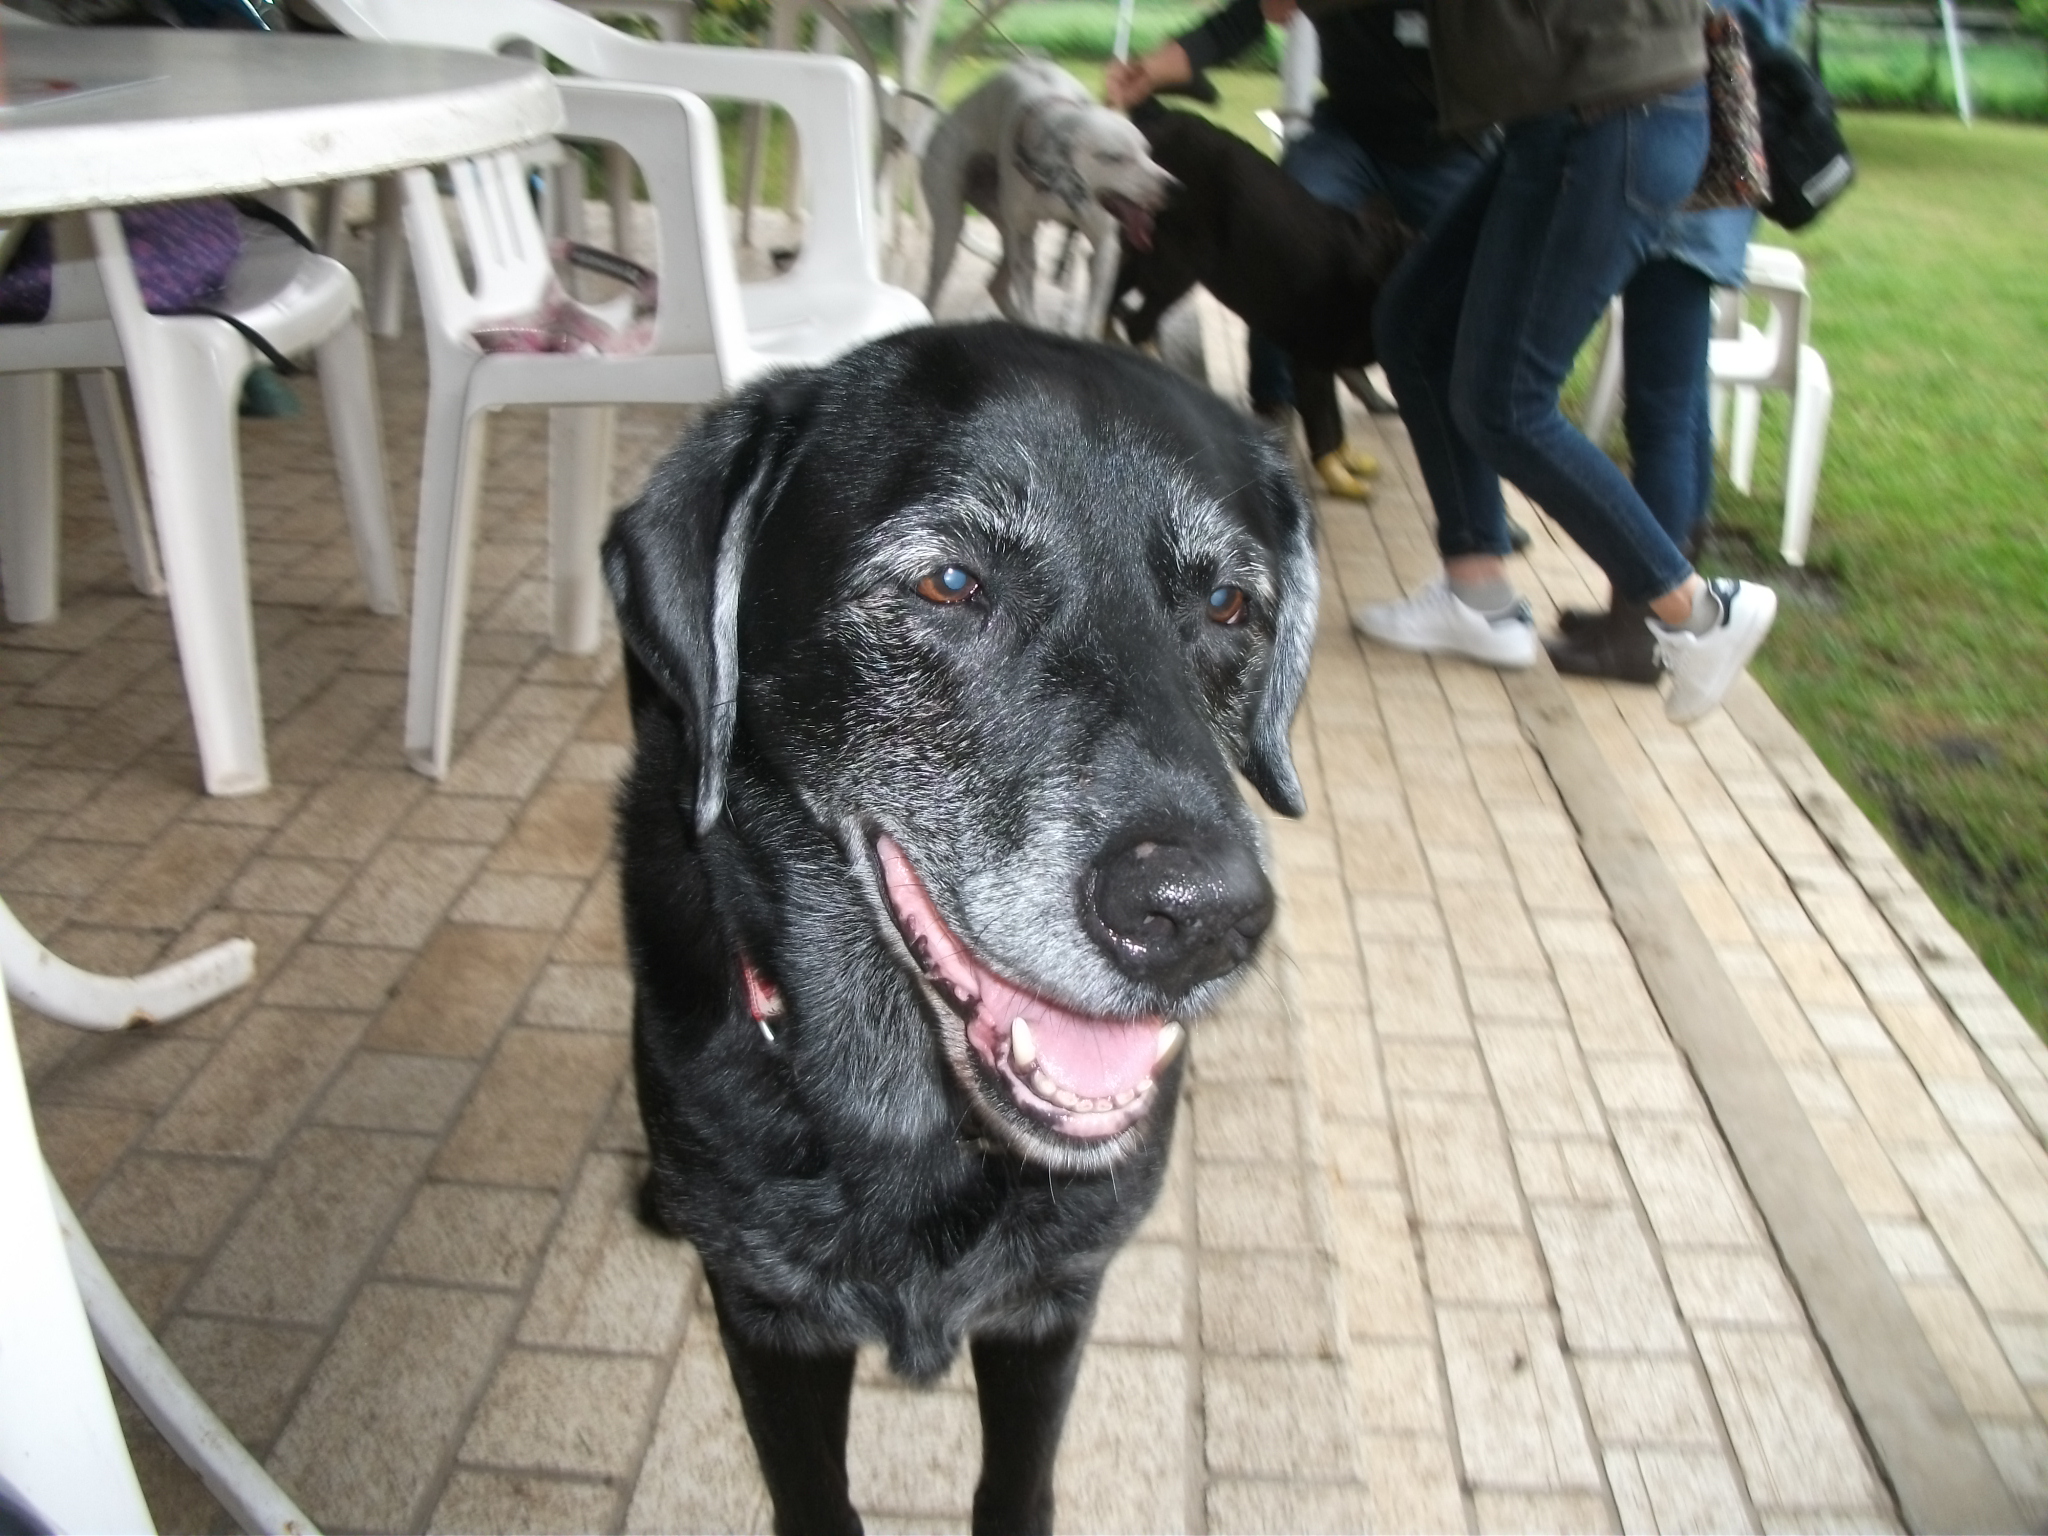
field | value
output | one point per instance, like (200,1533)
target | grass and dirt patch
(1912,653)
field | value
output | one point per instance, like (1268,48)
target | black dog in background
(940,660)
(1296,269)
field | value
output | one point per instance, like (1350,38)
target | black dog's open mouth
(1083,1077)
(1133,217)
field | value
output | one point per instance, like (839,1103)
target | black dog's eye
(949,584)
(1227,605)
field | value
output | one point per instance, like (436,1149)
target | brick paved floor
(1455,1238)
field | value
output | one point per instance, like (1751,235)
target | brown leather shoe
(1615,644)
(1572,621)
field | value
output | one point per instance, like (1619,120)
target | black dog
(939,660)
(1297,270)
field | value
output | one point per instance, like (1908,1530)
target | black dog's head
(998,612)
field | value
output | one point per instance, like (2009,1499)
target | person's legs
(1667,307)
(1576,205)
(1531,255)
(1669,310)
(1574,212)
(1473,611)
(1416,325)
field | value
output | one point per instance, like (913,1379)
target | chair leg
(186,378)
(348,384)
(107,419)
(29,414)
(387,304)
(1742,434)
(451,478)
(1603,401)
(579,476)
(195,486)
(1813,401)
(333,217)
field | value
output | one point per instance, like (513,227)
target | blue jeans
(1669,319)
(1334,168)
(1481,323)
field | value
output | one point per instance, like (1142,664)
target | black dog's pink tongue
(1093,1057)
(1098,1058)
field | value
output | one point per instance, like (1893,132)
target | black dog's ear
(1269,761)
(674,558)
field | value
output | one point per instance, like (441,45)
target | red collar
(764,998)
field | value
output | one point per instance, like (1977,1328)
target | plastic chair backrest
(699,310)
(829,99)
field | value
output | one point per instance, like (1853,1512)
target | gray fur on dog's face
(990,609)
(997,741)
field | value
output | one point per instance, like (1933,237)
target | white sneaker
(1704,667)
(1435,622)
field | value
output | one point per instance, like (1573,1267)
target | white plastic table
(163,114)
(159,114)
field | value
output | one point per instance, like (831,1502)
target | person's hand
(1127,84)
(1278,12)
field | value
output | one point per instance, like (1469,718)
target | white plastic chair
(1745,359)
(711,332)
(185,374)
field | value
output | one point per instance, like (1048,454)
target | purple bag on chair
(182,252)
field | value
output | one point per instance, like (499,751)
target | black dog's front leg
(1024,1388)
(795,1407)
(1315,396)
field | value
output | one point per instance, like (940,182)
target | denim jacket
(1499,61)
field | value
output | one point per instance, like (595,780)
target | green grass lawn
(1913,654)
(1871,65)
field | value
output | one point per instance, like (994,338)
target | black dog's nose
(1176,914)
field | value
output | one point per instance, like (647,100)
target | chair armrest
(673,137)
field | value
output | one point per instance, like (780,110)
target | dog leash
(988,20)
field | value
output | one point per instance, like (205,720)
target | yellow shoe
(1361,464)
(1338,479)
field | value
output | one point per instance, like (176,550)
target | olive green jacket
(1499,61)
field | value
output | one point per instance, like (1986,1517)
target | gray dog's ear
(674,558)
(1269,761)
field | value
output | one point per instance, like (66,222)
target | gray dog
(1027,146)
